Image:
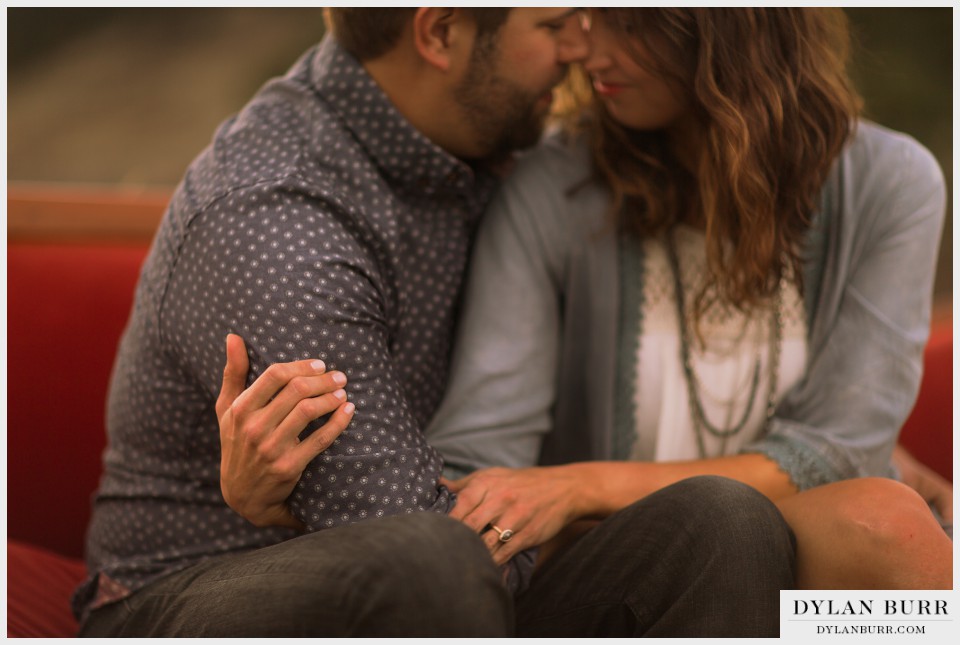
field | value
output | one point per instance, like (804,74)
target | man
(331,217)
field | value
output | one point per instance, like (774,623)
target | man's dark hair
(368,33)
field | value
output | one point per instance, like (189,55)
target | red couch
(67,305)
(73,258)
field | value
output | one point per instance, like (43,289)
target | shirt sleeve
(498,404)
(872,318)
(296,278)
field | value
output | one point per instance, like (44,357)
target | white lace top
(724,370)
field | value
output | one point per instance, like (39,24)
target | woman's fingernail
(318,365)
(339,378)
(341,394)
(349,408)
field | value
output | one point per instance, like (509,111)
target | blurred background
(129,96)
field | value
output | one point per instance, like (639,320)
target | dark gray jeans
(705,557)
(422,574)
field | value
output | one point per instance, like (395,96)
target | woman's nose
(597,57)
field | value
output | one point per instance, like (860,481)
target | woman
(722,271)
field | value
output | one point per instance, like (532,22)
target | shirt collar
(403,154)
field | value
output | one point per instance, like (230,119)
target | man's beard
(503,115)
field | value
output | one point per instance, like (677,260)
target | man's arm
(296,281)
(262,456)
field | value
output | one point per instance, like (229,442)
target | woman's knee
(878,512)
(868,533)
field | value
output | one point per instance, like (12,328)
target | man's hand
(262,456)
(534,503)
(933,488)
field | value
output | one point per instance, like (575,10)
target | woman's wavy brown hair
(770,92)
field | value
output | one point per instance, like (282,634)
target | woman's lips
(606,89)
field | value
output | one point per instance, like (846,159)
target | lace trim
(628,342)
(804,465)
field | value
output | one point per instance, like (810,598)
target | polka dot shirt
(318,223)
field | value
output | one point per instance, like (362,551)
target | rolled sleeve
(873,317)
(317,295)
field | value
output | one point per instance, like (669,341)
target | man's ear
(441,34)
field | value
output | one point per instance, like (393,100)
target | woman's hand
(534,503)
(262,456)
(933,488)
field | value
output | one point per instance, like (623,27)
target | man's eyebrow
(559,17)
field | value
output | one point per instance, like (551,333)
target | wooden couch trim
(83,213)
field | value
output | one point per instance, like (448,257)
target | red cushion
(39,586)
(928,432)
(66,307)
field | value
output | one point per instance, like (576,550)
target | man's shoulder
(275,150)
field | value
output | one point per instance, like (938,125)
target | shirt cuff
(519,570)
(802,463)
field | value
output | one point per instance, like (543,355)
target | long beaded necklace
(700,421)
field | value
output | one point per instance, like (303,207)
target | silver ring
(505,534)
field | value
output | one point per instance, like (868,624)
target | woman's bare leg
(868,533)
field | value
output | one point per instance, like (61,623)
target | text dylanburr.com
(835,615)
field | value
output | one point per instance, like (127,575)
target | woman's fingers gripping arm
(262,456)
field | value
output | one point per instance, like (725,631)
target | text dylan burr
(868,608)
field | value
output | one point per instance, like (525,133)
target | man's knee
(425,574)
(432,547)
(714,500)
(705,556)
(432,535)
(412,544)
(724,516)
(436,579)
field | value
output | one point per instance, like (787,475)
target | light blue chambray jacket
(543,370)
